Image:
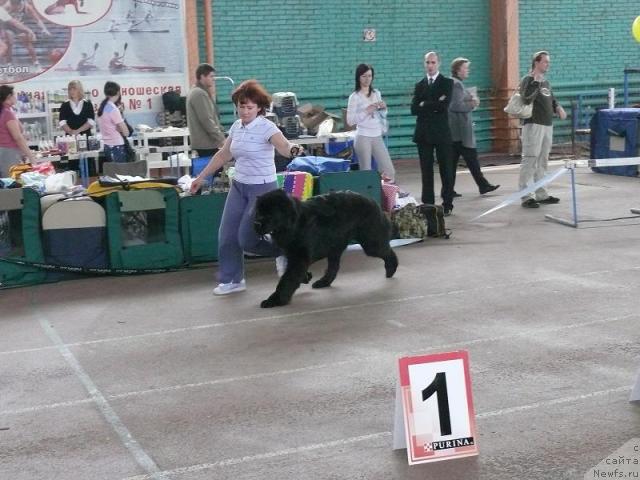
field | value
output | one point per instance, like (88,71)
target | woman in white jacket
(368,112)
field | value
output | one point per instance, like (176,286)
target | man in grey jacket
(202,115)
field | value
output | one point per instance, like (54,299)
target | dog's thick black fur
(321,227)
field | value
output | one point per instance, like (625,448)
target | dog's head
(275,213)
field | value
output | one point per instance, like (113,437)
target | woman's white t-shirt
(252,151)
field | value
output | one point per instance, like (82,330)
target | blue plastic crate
(197,165)
(332,148)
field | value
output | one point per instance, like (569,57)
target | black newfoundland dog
(321,227)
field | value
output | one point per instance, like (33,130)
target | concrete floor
(153,377)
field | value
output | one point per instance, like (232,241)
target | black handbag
(131,153)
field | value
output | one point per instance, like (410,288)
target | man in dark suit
(430,104)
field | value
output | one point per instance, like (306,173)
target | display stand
(35,126)
(321,140)
(40,117)
(153,154)
(82,157)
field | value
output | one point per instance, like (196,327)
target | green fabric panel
(31,231)
(12,274)
(364,182)
(172,226)
(140,200)
(200,218)
(153,255)
(112,208)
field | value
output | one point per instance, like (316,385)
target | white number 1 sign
(439,419)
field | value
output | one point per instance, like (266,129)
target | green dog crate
(143,229)
(364,182)
(20,237)
(200,218)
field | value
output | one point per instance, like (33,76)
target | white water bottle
(71,144)
(612,98)
(82,143)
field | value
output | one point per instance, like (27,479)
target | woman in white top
(251,142)
(368,112)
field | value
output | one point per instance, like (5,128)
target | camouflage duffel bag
(419,221)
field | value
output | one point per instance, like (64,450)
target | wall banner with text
(140,44)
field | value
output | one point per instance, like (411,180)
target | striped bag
(296,184)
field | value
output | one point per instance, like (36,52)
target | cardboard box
(346,126)
(311,116)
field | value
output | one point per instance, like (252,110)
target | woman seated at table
(76,114)
(13,145)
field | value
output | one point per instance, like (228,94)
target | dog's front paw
(268,303)
(390,265)
(322,283)
(273,301)
(307,277)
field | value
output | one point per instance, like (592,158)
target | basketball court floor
(148,377)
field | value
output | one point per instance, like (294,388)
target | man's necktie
(430,81)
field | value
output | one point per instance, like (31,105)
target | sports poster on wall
(139,44)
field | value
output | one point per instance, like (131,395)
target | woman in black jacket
(76,114)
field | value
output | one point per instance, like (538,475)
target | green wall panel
(312,49)
(588,39)
(590,43)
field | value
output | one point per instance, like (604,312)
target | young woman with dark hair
(112,126)
(13,146)
(368,112)
(252,142)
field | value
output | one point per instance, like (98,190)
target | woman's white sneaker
(231,287)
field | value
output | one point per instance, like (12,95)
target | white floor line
(29,350)
(172,331)
(555,401)
(396,323)
(141,457)
(50,406)
(369,358)
(512,166)
(363,438)
(268,455)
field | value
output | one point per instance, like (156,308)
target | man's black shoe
(447,211)
(531,203)
(549,200)
(488,188)
(456,194)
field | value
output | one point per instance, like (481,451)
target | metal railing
(588,95)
